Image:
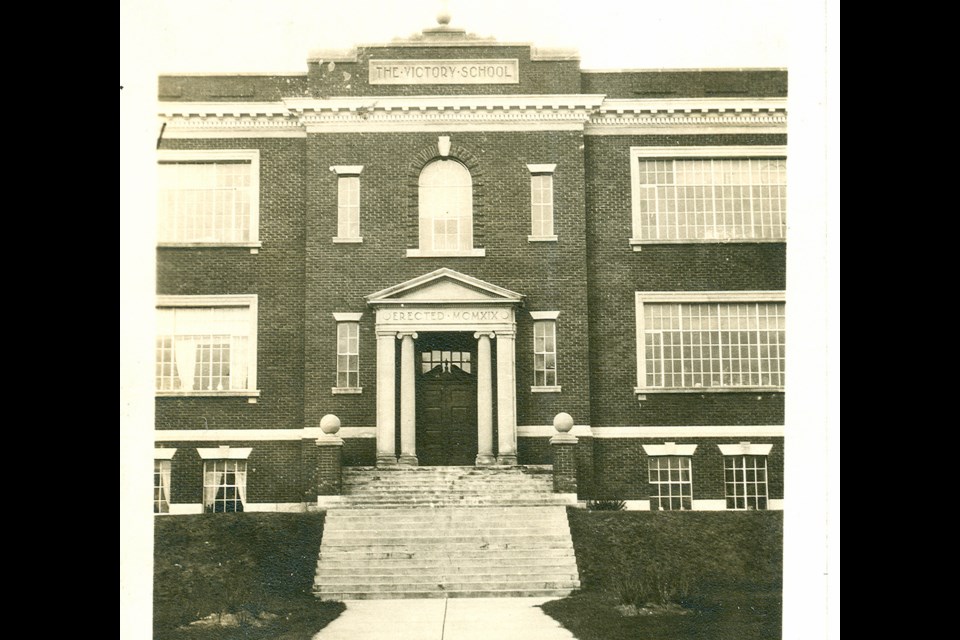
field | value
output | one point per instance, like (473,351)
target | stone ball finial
(330,424)
(443,18)
(563,422)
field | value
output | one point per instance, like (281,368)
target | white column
(408,400)
(484,401)
(506,399)
(386,398)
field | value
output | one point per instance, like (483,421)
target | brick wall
(551,275)
(617,272)
(625,472)
(733,83)
(350,78)
(275,275)
(274,470)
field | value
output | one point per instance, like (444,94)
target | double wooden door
(446,409)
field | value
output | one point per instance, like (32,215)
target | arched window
(446,208)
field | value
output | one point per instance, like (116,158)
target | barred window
(208,197)
(224,485)
(545,353)
(161,486)
(348,355)
(206,349)
(446,207)
(712,345)
(672,485)
(709,194)
(745,479)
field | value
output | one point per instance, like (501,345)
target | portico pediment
(444,287)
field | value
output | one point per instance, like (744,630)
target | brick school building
(445,241)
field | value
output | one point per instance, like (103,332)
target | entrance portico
(442,302)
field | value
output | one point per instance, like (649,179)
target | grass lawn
(724,568)
(244,562)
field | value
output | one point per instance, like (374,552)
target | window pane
(446,207)
(750,356)
(671,488)
(204,202)
(712,199)
(203,348)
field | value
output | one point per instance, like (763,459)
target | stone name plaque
(492,71)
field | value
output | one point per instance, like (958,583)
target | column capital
(481,334)
(508,334)
(386,333)
(403,334)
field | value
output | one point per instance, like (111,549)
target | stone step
(492,497)
(436,487)
(433,518)
(438,504)
(446,593)
(531,469)
(448,532)
(345,553)
(473,585)
(477,567)
(458,544)
(491,511)
(444,577)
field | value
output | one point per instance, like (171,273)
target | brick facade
(590,274)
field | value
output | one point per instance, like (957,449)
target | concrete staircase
(434,532)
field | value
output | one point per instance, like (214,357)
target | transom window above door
(430,360)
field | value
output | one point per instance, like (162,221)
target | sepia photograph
(455,320)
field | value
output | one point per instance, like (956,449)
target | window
(545,351)
(209,198)
(446,360)
(541,202)
(671,483)
(348,203)
(348,352)
(745,480)
(224,485)
(161,486)
(445,211)
(710,341)
(206,345)
(708,194)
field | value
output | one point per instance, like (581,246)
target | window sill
(637,244)
(541,238)
(339,240)
(470,253)
(346,390)
(555,389)
(253,246)
(250,393)
(653,390)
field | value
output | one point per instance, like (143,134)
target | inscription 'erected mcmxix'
(443,316)
(487,71)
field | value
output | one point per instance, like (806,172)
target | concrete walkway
(445,619)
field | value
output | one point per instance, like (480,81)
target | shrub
(606,505)
(631,588)
(652,584)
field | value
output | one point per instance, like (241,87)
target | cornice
(404,113)
(295,117)
(229,120)
(694,115)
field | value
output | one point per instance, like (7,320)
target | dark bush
(606,505)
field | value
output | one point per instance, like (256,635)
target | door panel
(446,419)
